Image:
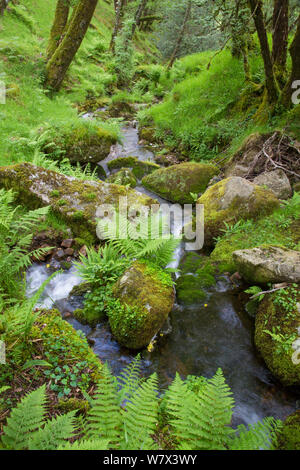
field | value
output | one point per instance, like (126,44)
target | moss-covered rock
(197,273)
(37,187)
(276,329)
(123,177)
(88,316)
(233,199)
(177,182)
(145,297)
(63,343)
(147,134)
(289,435)
(268,264)
(139,168)
(82,142)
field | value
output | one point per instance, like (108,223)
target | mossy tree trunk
(295,73)
(280,35)
(117,26)
(181,34)
(65,52)
(138,15)
(258,16)
(59,24)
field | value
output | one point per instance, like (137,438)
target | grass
(209,110)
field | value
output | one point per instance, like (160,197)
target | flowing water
(198,340)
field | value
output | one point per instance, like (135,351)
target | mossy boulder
(145,297)
(231,200)
(55,334)
(276,330)
(124,177)
(138,167)
(121,108)
(268,264)
(147,134)
(82,142)
(288,437)
(176,183)
(37,187)
(196,274)
(88,316)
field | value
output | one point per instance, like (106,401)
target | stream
(199,339)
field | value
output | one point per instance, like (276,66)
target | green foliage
(286,299)
(15,238)
(27,427)
(124,415)
(282,341)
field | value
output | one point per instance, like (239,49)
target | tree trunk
(64,54)
(280,34)
(58,27)
(257,13)
(138,15)
(117,25)
(295,73)
(181,34)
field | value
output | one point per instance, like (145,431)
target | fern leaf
(258,436)
(90,444)
(26,418)
(104,419)
(54,433)
(141,416)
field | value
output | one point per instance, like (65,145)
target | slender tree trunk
(138,15)
(181,34)
(59,25)
(280,34)
(295,73)
(257,12)
(119,11)
(64,54)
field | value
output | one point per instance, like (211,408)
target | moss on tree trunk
(258,16)
(58,27)
(65,52)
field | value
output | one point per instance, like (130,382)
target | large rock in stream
(277,335)
(74,200)
(146,296)
(231,200)
(268,264)
(176,183)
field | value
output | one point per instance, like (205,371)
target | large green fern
(198,418)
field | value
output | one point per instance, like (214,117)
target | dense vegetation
(214,87)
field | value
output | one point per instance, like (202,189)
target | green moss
(62,202)
(72,404)
(124,177)
(80,289)
(197,273)
(220,208)
(144,299)
(177,182)
(277,354)
(278,229)
(88,316)
(81,141)
(78,215)
(289,435)
(49,327)
(55,193)
(139,168)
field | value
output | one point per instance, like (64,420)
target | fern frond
(54,433)
(258,436)
(90,444)
(201,422)
(104,419)
(130,379)
(26,418)
(141,417)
